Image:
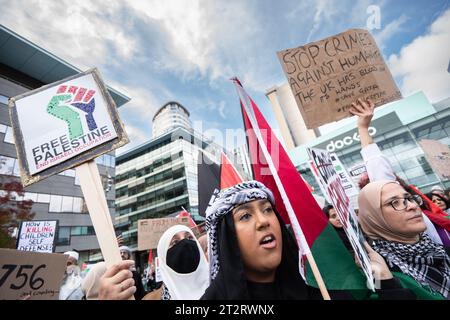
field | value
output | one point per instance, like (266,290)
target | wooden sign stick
(94,195)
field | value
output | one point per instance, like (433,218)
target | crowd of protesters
(249,253)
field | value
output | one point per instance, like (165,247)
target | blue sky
(158,51)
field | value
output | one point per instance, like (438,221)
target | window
(4,99)
(55,203)
(63,236)
(43,198)
(7,165)
(67,204)
(9,138)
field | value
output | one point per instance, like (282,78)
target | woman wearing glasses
(392,220)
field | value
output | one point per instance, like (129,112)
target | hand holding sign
(380,270)
(117,283)
(364,110)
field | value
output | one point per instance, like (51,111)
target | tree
(13,210)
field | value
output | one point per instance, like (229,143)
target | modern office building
(159,178)
(23,67)
(289,119)
(241,161)
(170,116)
(396,128)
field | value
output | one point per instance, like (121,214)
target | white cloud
(82,32)
(390,30)
(422,64)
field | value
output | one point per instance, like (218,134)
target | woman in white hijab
(183,266)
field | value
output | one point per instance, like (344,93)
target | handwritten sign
(38,236)
(438,155)
(332,184)
(64,124)
(33,274)
(328,75)
(150,230)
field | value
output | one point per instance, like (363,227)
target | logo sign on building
(38,236)
(151,230)
(30,275)
(347,183)
(438,155)
(351,138)
(333,186)
(328,75)
(64,124)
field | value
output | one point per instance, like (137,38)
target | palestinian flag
(296,205)
(213,176)
(184,213)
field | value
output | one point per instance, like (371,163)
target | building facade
(396,128)
(23,67)
(158,179)
(170,116)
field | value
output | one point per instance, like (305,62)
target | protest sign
(150,230)
(68,124)
(34,274)
(331,182)
(328,75)
(37,236)
(158,277)
(347,183)
(438,155)
(64,124)
(356,172)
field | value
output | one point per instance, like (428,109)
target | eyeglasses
(400,204)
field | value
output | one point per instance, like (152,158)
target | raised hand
(364,110)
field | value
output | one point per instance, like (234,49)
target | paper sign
(36,274)
(328,75)
(347,183)
(37,236)
(332,184)
(64,124)
(438,155)
(150,230)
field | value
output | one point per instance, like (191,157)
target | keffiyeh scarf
(222,203)
(425,261)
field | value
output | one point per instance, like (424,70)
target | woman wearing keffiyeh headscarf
(392,219)
(252,255)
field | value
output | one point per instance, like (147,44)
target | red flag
(184,213)
(295,203)
(228,174)
(150,257)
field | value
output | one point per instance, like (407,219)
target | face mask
(183,257)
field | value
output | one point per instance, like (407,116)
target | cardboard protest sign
(438,155)
(64,124)
(347,183)
(36,274)
(331,182)
(38,236)
(150,230)
(328,75)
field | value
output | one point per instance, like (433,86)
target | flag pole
(303,245)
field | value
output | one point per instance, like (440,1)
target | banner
(438,155)
(150,230)
(332,184)
(33,274)
(328,75)
(64,124)
(38,236)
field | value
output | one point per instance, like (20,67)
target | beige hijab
(371,217)
(91,283)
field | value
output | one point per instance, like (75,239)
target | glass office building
(396,128)
(158,179)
